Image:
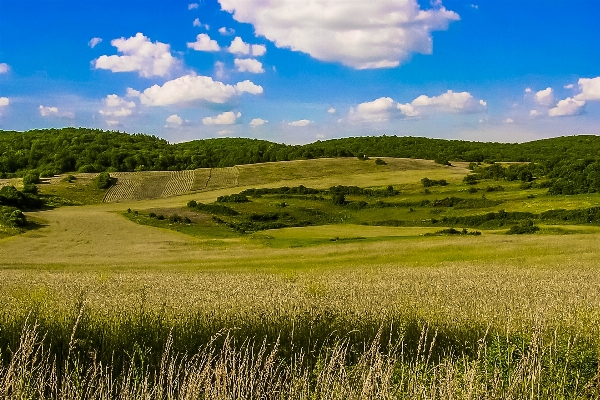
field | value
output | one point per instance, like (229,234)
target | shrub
(470,179)
(103,180)
(431,182)
(30,188)
(192,204)
(524,227)
(379,161)
(233,198)
(69,178)
(31,178)
(339,199)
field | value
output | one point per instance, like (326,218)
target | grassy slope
(91,253)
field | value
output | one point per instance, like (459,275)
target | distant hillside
(53,151)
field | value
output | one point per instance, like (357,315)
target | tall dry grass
(545,366)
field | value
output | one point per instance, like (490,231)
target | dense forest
(572,163)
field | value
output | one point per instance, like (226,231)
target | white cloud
(528,90)
(225,132)
(258,122)
(302,122)
(249,65)
(238,46)
(408,110)
(196,22)
(4,101)
(248,87)
(192,6)
(590,89)
(191,87)
(227,118)
(112,122)
(48,111)
(4,68)
(132,93)
(226,31)
(94,42)
(358,34)
(452,102)
(139,54)
(258,50)
(569,86)
(475,6)
(204,43)
(534,113)
(115,106)
(508,121)
(568,106)
(545,97)
(173,121)
(220,69)
(53,112)
(375,111)
(331,110)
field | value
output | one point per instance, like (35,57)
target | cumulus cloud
(258,50)
(191,88)
(408,110)
(258,122)
(4,68)
(301,122)
(115,106)
(508,121)
(248,87)
(534,113)
(227,118)
(374,111)
(132,93)
(4,101)
(53,112)
(139,54)
(331,110)
(173,121)
(590,89)
(358,34)
(566,107)
(238,46)
(545,97)
(226,31)
(204,43)
(94,42)
(451,102)
(569,86)
(248,65)
(192,6)
(48,111)
(528,90)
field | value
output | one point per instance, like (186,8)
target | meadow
(103,300)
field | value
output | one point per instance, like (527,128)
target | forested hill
(53,151)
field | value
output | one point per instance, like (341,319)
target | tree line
(572,163)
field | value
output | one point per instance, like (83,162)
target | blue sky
(296,71)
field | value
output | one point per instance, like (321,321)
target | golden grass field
(91,254)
